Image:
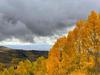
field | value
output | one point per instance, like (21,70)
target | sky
(25,22)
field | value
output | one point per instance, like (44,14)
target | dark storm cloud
(11,27)
(24,19)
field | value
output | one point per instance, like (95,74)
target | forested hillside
(78,53)
(10,56)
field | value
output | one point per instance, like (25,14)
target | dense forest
(77,53)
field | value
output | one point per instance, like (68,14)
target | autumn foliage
(78,53)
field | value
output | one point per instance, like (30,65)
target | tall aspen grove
(76,53)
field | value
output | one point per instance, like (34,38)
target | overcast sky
(40,21)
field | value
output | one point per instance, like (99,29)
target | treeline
(78,53)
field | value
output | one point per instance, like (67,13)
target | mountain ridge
(9,56)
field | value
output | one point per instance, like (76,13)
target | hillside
(8,55)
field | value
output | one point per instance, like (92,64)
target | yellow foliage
(78,73)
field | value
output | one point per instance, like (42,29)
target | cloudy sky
(40,21)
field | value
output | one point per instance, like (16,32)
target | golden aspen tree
(68,53)
(39,67)
(81,54)
(5,72)
(91,40)
(96,42)
(55,57)
(11,70)
(22,69)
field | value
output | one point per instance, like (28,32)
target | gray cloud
(24,19)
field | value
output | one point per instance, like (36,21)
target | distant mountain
(40,47)
(9,56)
